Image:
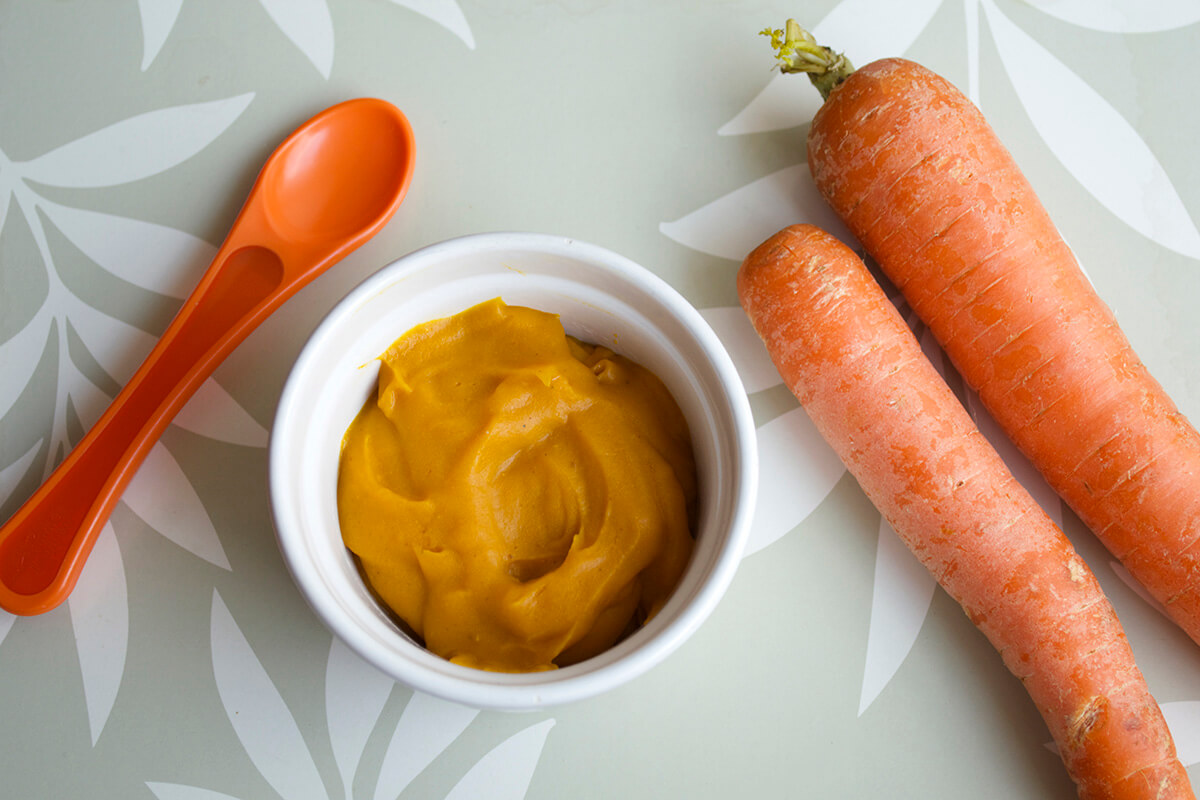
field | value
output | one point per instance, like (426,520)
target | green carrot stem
(797,51)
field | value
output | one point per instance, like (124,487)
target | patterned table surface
(187,667)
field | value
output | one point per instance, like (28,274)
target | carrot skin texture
(918,175)
(843,350)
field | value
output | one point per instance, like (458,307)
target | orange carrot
(846,354)
(917,174)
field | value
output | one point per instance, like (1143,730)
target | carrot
(917,174)
(844,351)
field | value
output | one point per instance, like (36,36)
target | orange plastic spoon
(328,188)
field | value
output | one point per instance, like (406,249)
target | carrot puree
(522,500)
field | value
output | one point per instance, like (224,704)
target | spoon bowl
(325,190)
(355,177)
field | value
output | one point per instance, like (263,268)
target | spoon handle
(44,546)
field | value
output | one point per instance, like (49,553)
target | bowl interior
(600,298)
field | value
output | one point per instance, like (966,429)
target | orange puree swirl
(520,499)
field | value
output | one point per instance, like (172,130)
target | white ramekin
(601,297)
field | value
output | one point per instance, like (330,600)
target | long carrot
(918,175)
(846,354)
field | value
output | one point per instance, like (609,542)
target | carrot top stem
(797,51)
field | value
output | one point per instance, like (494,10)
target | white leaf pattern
(743,344)
(787,101)
(733,225)
(162,496)
(158,17)
(893,29)
(19,356)
(11,475)
(99,610)
(1122,16)
(213,412)
(797,469)
(1095,143)
(505,772)
(426,728)
(137,147)
(118,347)
(355,693)
(445,13)
(900,599)
(154,257)
(6,623)
(176,791)
(310,27)
(88,401)
(258,714)
(790,100)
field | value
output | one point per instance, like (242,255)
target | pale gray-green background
(595,120)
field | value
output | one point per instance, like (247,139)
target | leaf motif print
(750,357)
(797,469)
(177,791)
(158,17)
(506,771)
(1092,141)
(789,100)
(308,24)
(900,599)
(162,496)
(11,475)
(1183,720)
(19,357)
(213,412)
(148,255)
(733,225)
(258,714)
(355,693)
(155,257)
(99,610)
(88,401)
(1122,16)
(893,29)
(310,27)
(426,728)
(445,13)
(118,347)
(135,148)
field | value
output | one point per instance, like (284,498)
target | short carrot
(844,351)
(918,175)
